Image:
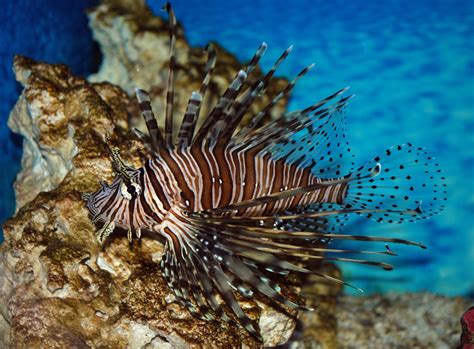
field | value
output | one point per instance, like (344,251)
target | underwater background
(411,64)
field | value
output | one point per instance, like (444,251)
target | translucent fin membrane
(322,145)
(409,185)
(256,120)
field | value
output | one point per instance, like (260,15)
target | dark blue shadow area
(51,31)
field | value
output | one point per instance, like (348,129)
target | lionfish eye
(131,190)
(130,187)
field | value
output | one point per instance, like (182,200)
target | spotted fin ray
(409,186)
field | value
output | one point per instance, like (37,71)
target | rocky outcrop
(58,287)
(417,320)
(409,320)
(135,49)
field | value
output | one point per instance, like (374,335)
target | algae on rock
(58,287)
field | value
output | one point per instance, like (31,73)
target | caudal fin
(405,183)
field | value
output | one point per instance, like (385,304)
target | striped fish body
(203,179)
(238,205)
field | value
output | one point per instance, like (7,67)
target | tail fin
(403,184)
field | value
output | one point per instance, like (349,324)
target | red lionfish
(239,207)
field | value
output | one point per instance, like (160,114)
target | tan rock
(413,320)
(135,49)
(58,287)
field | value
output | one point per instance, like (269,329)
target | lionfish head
(111,204)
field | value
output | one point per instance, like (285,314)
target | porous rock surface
(392,321)
(58,287)
(135,50)
(413,320)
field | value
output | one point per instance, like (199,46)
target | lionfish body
(238,206)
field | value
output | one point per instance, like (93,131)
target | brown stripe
(156,185)
(180,177)
(143,201)
(204,170)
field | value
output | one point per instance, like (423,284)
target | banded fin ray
(327,228)
(255,120)
(239,246)
(239,108)
(282,129)
(171,71)
(186,130)
(216,113)
(190,118)
(156,139)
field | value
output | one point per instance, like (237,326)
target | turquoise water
(411,64)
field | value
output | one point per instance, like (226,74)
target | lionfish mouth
(243,206)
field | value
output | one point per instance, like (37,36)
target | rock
(320,326)
(48,114)
(58,287)
(413,320)
(418,320)
(135,49)
(467,323)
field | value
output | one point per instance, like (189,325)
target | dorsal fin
(322,146)
(228,103)
(227,98)
(256,58)
(191,116)
(156,139)
(170,82)
(280,131)
(255,121)
(185,133)
(240,107)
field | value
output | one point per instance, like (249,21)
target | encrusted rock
(417,320)
(410,320)
(48,114)
(58,287)
(135,49)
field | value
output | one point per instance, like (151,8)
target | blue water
(411,64)
(57,34)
